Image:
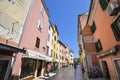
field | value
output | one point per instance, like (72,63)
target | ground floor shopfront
(33,65)
(10,62)
(110,63)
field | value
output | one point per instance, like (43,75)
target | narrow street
(69,73)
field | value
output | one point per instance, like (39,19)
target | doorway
(105,70)
(5,66)
(39,68)
(117,66)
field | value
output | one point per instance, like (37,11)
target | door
(117,66)
(39,68)
(105,70)
(5,66)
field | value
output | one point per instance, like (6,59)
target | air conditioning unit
(113,8)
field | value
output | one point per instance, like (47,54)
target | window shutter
(103,4)
(116,28)
(98,46)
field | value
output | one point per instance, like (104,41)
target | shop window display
(28,67)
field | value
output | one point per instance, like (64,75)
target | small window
(40,25)
(98,46)
(55,38)
(49,27)
(48,37)
(47,50)
(51,52)
(37,43)
(42,11)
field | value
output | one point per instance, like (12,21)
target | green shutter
(116,31)
(103,4)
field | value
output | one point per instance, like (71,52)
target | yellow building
(55,49)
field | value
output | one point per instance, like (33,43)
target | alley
(69,73)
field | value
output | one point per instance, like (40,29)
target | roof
(62,43)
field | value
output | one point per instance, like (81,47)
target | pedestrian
(48,68)
(75,64)
(83,70)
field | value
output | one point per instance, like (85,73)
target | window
(42,11)
(40,25)
(48,37)
(51,52)
(28,67)
(93,27)
(49,27)
(55,38)
(37,43)
(103,4)
(47,50)
(52,42)
(98,46)
(117,66)
(116,28)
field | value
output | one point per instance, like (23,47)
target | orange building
(104,19)
(90,50)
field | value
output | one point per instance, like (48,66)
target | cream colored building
(50,42)
(13,14)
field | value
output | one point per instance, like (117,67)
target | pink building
(34,41)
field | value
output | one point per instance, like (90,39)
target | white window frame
(42,11)
(40,25)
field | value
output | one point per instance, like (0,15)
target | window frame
(98,46)
(116,28)
(42,10)
(40,25)
(37,44)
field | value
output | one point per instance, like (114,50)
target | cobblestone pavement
(68,73)
(78,73)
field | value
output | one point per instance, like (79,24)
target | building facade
(81,24)
(90,50)
(60,49)
(104,19)
(50,42)
(34,41)
(11,27)
(71,60)
(55,49)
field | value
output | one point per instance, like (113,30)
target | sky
(64,13)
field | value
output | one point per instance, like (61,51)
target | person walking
(48,69)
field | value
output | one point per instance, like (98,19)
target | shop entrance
(105,70)
(5,64)
(39,68)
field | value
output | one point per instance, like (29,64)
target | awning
(11,48)
(36,55)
